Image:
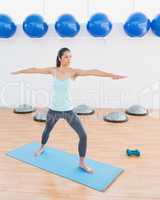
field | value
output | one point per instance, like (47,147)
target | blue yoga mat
(66,164)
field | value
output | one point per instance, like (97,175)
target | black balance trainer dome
(83,109)
(24,108)
(116,117)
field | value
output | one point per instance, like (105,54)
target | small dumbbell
(135,152)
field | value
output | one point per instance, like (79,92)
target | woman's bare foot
(86,168)
(39,152)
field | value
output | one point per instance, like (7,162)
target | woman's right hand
(17,72)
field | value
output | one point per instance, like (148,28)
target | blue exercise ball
(7,26)
(137,25)
(99,25)
(67,26)
(155,25)
(35,26)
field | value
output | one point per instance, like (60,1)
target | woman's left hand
(115,77)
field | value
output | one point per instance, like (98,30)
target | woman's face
(66,58)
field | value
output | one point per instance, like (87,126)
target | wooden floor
(107,142)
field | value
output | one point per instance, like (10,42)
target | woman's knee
(83,137)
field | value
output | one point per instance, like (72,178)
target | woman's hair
(60,54)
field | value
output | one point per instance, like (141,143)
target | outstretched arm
(47,70)
(96,72)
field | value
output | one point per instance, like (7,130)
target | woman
(62,107)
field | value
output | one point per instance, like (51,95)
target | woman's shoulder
(73,72)
(53,70)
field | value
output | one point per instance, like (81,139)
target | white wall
(118,11)
(117,53)
(137,58)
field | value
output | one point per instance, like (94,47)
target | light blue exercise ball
(35,26)
(67,26)
(7,26)
(99,25)
(137,25)
(155,25)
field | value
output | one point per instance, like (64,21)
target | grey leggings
(73,120)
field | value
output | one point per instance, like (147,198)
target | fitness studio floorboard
(107,143)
